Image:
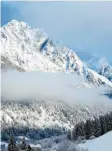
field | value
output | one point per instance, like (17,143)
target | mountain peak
(31,49)
(100,65)
(15,26)
(16,22)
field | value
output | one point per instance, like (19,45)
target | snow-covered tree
(69,146)
(97,130)
(89,128)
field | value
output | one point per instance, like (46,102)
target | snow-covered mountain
(26,49)
(100,65)
(29,49)
(106,71)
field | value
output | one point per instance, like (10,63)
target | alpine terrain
(26,50)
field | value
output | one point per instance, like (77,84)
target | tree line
(91,128)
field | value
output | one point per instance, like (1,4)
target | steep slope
(100,65)
(31,49)
(46,118)
(8,65)
(106,71)
(102,143)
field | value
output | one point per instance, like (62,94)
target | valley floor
(60,143)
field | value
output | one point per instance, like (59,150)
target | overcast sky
(82,26)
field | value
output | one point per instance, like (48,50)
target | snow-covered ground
(103,143)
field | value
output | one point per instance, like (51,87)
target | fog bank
(48,86)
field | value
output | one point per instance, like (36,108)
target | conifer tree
(23,146)
(103,125)
(69,135)
(29,148)
(12,144)
(89,128)
(97,124)
(95,127)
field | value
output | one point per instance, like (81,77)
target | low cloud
(48,86)
(102,61)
